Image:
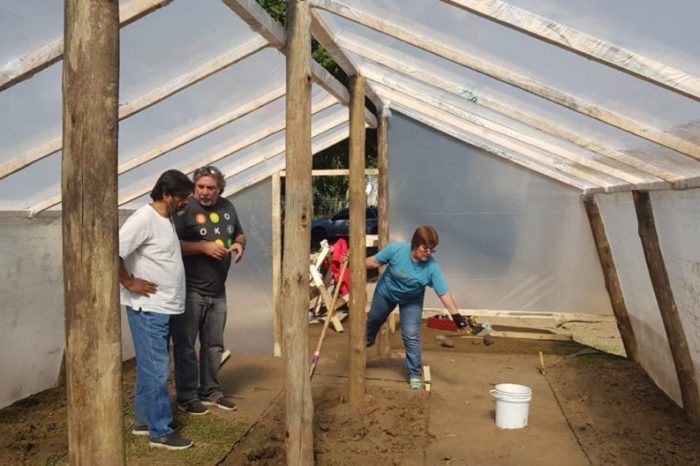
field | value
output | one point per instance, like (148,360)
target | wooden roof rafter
(412,69)
(421,37)
(393,88)
(573,40)
(261,22)
(144,101)
(196,133)
(210,159)
(27,66)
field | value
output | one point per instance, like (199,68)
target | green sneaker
(415,384)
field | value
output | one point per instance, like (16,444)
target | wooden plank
(90,225)
(414,34)
(531,335)
(612,282)
(413,68)
(531,140)
(677,340)
(557,316)
(427,378)
(277,263)
(590,47)
(357,255)
(297,237)
(337,172)
(539,162)
(27,66)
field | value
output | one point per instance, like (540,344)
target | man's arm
(133,284)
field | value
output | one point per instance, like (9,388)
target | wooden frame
(612,55)
(422,38)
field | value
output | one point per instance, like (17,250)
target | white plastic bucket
(512,405)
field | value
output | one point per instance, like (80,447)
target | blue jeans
(411,314)
(150,332)
(204,316)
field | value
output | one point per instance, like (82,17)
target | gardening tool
(329,315)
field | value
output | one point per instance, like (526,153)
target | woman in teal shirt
(410,268)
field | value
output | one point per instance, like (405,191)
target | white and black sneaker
(194,407)
(223,402)
(171,442)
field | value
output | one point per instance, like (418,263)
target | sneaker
(194,407)
(139,430)
(171,442)
(224,403)
(415,384)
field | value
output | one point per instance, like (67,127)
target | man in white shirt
(152,279)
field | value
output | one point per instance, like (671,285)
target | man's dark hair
(174,183)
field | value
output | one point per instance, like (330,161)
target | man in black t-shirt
(210,237)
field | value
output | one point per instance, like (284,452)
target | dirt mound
(391,429)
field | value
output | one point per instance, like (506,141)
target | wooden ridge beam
(415,69)
(503,141)
(539,143)
(142,102)
(27,66)
(503,153)
(612,281)
(262,23)
(590,47)
(423,40)
(677,340)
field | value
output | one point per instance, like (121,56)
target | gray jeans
(205,317)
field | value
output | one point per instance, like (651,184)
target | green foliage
(275,8)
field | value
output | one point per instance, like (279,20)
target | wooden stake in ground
(297,237)
(90,232)
(541,363)
(329,315)
(358,271)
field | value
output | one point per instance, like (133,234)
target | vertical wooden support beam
(612,282)
(277,262)
(384,344)
(297,236)
(667,306)
(90,232)
(358,244)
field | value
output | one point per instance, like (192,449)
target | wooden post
(682,358)
(297,236)
(90,232)
(358,272)
(277,262)
(383,208)
(612,282)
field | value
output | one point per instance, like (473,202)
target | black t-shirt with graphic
(218,223)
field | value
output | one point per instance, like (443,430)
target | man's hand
(214,250)
(461,324)
(237,249)
(139,286)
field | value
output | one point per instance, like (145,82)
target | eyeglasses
(428,249)
(207,170)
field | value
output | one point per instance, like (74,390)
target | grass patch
(213,436)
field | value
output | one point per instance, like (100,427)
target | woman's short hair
(174,183)
(425,235)
(211,170)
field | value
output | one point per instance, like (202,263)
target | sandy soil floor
(595,408)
